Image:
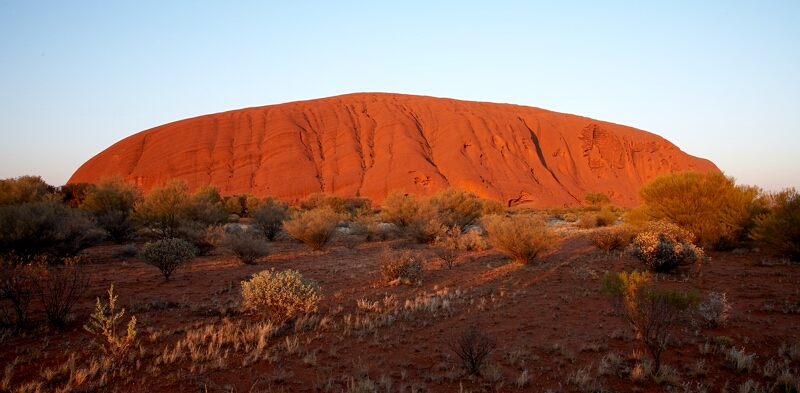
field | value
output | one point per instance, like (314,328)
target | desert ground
(554,330)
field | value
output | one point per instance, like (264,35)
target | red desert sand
(368,144)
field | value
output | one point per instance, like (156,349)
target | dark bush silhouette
(111,204)
(59,288)
(472,347)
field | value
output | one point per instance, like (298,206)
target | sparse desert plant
(780,227)
(664,247)
(167,255)
(597,198)
(427,225)
(370,227)
(315,227)
(521,237)
(400,266)
(448,247)
(269,216)
(653,312)
(399,209)
(17,289)
(472,347)
(713,311)
(247,246)
(709,205)
(738,360)
(612,238)
(59,288)
(282,295)
(583,381)
(104,321)
(111,203)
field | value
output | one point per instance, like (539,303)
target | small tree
(167,255)
(268,217)
(315,227)
(104,321)
(472,347)
(164,208)
(281,295)
(520,237)
(709,205)
(652,312)
(111,204)
(25,189)
(247,246)
(17,289)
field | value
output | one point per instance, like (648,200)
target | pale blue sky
(719,79)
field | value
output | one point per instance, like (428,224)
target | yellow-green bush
(400,209)
(709,205)
(780,226)
(315,227)
(456,207)
(281,295)
(25,189)
(322,200)
(163,209)
(521,237)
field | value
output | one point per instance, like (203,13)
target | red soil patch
(548,318)
(368,144)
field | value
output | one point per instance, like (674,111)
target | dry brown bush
(281,295)
(59,287)
(520,236)
(612,238)
(269,216)
(247,246)
(401,266)
(315,227)
(399,209)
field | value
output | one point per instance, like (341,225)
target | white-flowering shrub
(713,311)
(168,255)
(663,247)
(280,295)
(400,266)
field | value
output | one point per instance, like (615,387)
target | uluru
(368,144)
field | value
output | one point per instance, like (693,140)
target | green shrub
(521,237)
(247,246)
(315,227)
(653,312)
(597,198)
(612,238)
(321,200)
(399,209)
(281,295)
(664,247)
(205,206)
(30,229)
(59,288)
(427,225)
(268,217)
(780,227)
(25,189)
(709,205)
(167,255)
(163,209)
(456,207)
(401,266)
(111,204)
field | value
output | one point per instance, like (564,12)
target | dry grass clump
(400,266)
(282,295)
(315,227)
(167,255)
(520,237)
(612,238)
(664,247)
(247,246)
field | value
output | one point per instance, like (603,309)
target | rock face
(368,144)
